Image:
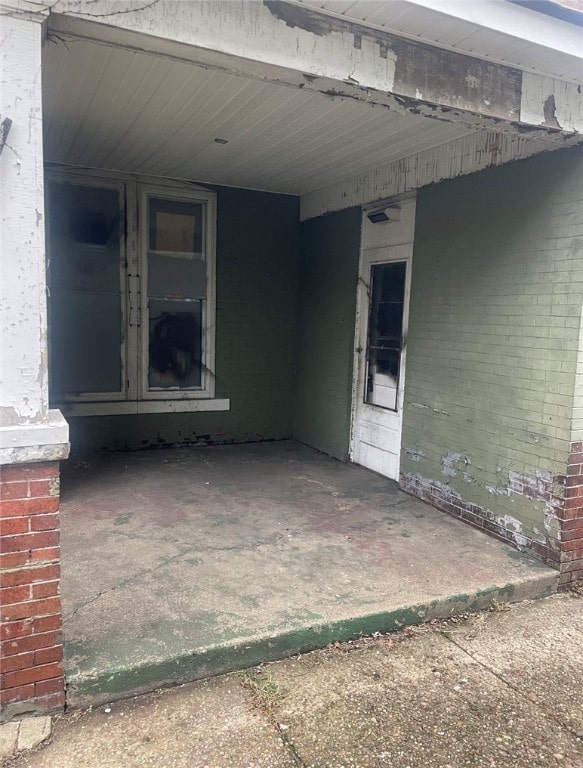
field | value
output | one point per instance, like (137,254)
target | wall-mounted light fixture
(388,213)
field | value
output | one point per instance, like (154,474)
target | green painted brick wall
(330,248)
(257,291)
(497,290)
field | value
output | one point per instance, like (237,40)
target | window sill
(133,407)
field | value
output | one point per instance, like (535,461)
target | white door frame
(380,243)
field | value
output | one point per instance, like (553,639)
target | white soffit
(115,108)
(496,30)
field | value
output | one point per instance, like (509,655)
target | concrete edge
(123,682)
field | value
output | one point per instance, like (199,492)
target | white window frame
(208,202)
(134,396)
(64,178)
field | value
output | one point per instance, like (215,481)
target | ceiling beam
(293,46)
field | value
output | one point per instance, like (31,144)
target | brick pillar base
(31,651)
(571,519)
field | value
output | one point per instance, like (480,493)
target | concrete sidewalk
(496,689)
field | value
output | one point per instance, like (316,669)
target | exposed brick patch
(563,499)
(448,499)
(31,649)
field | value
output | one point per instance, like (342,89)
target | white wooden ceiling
(114,108)
(489,29)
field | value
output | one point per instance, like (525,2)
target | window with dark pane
(85,303)
(385,333)
(177,285)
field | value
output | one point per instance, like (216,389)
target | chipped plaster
(23,393)
(27,428)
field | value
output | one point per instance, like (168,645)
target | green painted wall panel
(497,290)
(330,248)
(257,292)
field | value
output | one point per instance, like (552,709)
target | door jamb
(361,306)
(357,349)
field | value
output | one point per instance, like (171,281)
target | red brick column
(571,519)
(31,651)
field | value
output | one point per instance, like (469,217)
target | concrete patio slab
(181,564)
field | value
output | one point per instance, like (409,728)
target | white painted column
(28,430)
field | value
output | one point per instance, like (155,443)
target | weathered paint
(23,397)
(473,152)
(376,432)
(451,79)
(291,37)
(496,300)
(455,80)
(28,430)
(257,283)
(44,441)
(551,103)
(304,49)
(329,271)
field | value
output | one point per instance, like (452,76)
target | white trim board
(471,153)
(126,408)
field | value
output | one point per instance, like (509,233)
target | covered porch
(224,213)
(183,563)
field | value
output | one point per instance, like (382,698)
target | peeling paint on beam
(67,31)
(296,17)
(421,71)
(442,77)
(281,42)
(469,154)
(551,103)
(431,74)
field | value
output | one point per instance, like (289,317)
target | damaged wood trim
(401,97)
(428,73)
(468,154)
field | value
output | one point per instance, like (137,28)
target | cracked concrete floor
(175,562)
(496,690)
